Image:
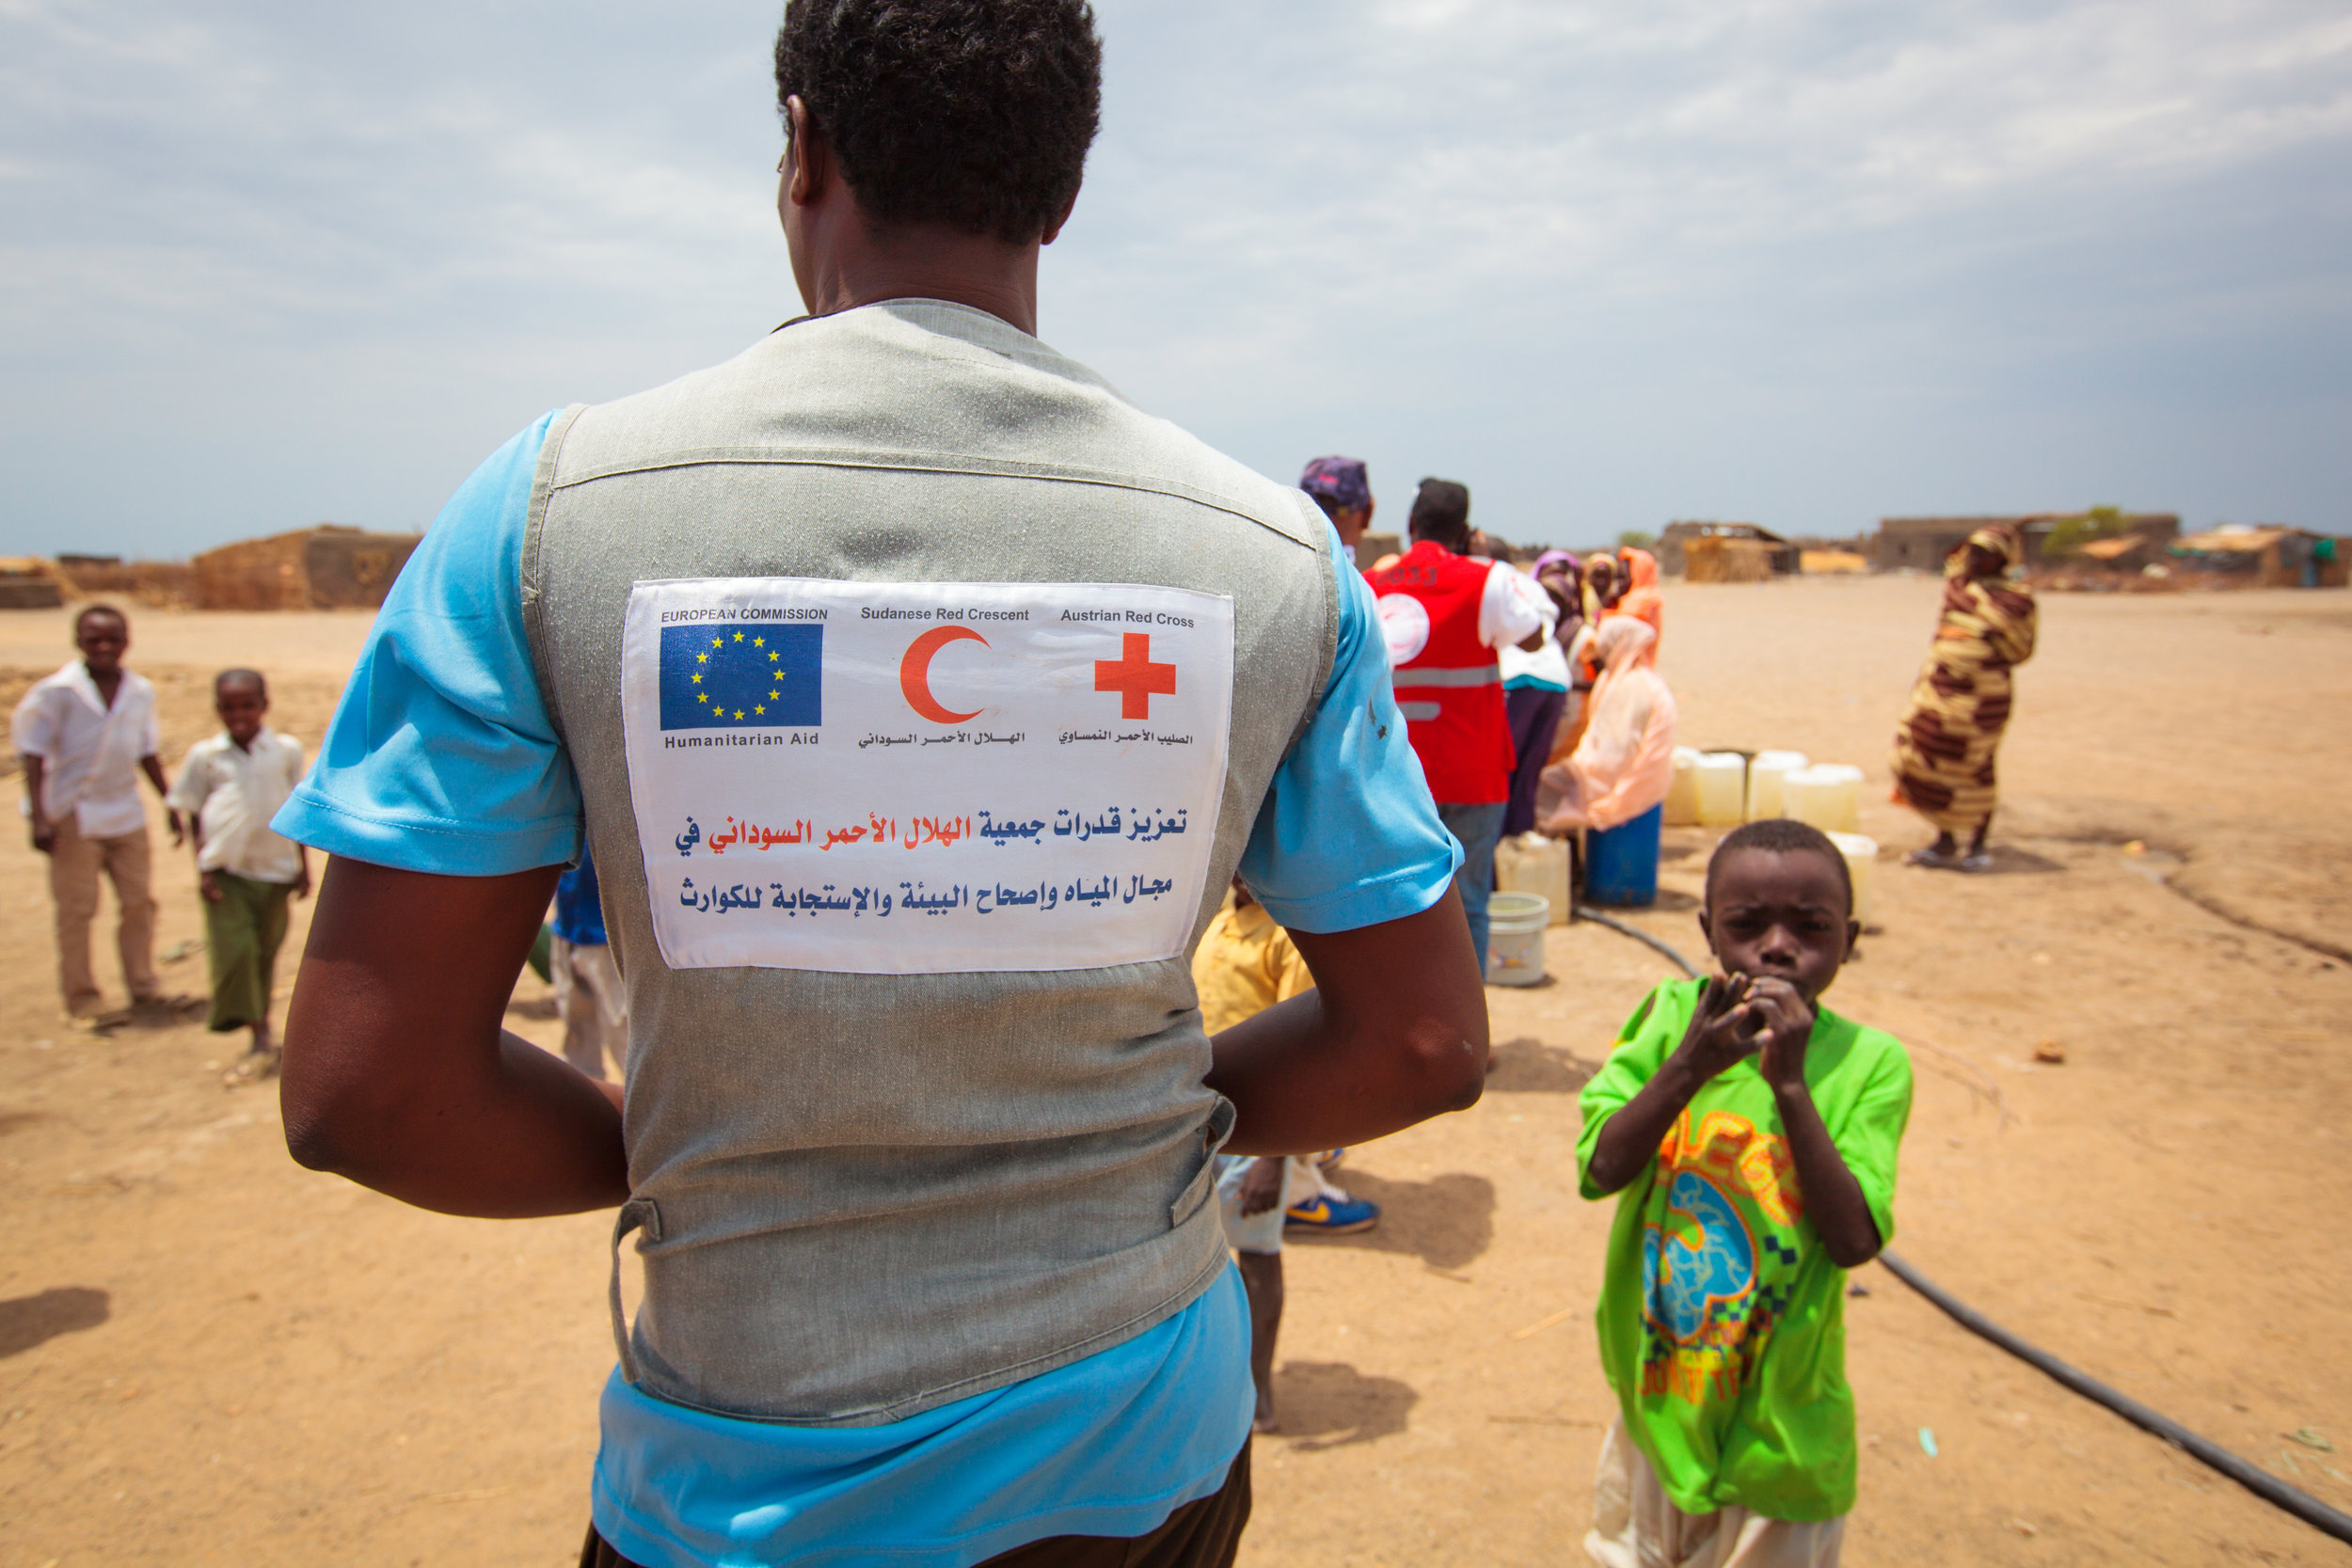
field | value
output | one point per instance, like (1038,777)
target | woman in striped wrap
(1944,751)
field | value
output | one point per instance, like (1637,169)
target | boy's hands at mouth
(1778,1019)
(1741,1014)
(1720,1031)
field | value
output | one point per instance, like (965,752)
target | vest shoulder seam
(542,487)
(914,462)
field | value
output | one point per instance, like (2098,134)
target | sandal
(253,1066)
(1935,861)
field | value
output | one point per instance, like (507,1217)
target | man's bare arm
(152,767)
(36,769)
(399,1072)
(1393,1032)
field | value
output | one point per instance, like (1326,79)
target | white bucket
(1861,853)
(1682,792)
(1828,795)
(1764,775)
(1723,780)
(1514,937)
(1532,864)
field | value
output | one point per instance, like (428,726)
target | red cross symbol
(1135,677)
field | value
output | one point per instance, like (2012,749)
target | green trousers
(242,933)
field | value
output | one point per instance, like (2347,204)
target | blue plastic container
(1621,862)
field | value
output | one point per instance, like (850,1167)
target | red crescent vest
(1450,687)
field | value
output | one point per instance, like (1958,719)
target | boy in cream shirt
(230,786)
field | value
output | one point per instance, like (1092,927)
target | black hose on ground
(1586,912)
(2254,1479)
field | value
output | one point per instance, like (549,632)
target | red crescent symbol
(914,673)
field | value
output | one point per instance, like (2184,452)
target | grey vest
(863,1196)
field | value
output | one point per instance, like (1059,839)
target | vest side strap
(636,1213)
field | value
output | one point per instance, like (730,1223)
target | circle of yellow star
(738,637)
(759,642)
(739,713)
(702,658)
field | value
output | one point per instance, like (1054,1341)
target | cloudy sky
(1801,262)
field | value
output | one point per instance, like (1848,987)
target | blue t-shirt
(578,904)
(441,758)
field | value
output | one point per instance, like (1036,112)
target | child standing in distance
(588,990)
(1245,964)
(230,786)
(1752,1136)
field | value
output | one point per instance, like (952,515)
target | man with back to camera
(920,695)
(1444,612)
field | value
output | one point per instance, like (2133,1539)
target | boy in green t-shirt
(1752,1134)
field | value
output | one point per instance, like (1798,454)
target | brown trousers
(1202,1534)
(75,864)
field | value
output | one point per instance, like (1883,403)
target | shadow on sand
(1446,1221)
(1329,1405)
(29,1321)
(1525,1065)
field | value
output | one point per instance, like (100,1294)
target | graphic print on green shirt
(1722,1318)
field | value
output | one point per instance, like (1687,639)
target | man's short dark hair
(1441,511)
(972,112)
(240,677)
(1781,835)
(107,610)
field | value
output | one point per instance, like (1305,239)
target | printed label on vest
(924,778)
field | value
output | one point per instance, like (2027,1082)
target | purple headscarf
(1339,481)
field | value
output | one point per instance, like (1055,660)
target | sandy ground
(209,1355)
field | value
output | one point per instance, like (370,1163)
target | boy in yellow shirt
(1245,964)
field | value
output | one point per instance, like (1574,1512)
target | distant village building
(1920,544)
(28,582)
(2261,558)
(327,567)
(1738,562)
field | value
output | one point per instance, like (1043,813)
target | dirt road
(209,1355)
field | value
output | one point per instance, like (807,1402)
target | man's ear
(807,165)
(1707,930)
(1052,229)
(1854,940)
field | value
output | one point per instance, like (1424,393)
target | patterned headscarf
(1339,481)
(2001,539)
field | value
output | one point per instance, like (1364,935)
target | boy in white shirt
(231,784)
(86,734)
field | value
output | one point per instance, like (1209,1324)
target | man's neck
(928,262)
(107,681)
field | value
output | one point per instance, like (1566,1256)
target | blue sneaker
(1331,1214)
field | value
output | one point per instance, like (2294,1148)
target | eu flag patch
(742,676)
